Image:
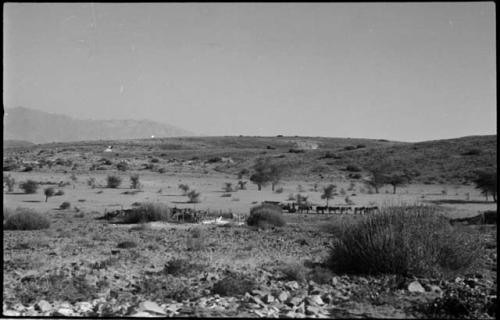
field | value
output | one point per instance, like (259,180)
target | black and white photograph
(329,160)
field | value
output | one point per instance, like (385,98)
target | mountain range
(36,126)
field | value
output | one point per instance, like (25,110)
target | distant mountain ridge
(36,126)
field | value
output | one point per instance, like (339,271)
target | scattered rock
(84,307)
(292,285)
(283,296)
(11,313)
(315,300)
(294,301)
(64,312)
(43,306)
(311,310)
(142,314)
(415,286)
(436,289)
(151,306)
(268,298)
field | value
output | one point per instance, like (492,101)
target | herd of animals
(195,216)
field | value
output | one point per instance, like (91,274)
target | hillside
(41,127)
(440,161)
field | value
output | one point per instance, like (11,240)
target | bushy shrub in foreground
(26,219)
(407,240)
(148,211)
(266,215)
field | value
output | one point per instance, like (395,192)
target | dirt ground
(76,244)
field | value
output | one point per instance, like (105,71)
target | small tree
(91,182)
(134,182)
(49,192)
(328,193)
(276,173)
(486,181)
(242,185)
(9,182)
(184,188)
(29,186)
(228,187)
(242,173)
(194,197)
(263,174)
(396,180)
(377,178)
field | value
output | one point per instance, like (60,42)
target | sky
(397,71)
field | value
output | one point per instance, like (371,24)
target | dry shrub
(113,181)
(234,284)
(178,267)
(26,219)
(161,287)
(126,245)
(148,211)
(294,272)
(57,286)
(266,215)
(65,205)
(29,186)
(406,240)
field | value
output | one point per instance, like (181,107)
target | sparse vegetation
(91,182)
(228,187)
(25,219)
(328,193)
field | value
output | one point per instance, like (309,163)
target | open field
(87,267)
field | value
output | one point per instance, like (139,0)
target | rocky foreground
(342,297)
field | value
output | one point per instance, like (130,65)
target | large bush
(148,211)
(266,215)
(407,240)
(29,186)
(26,219)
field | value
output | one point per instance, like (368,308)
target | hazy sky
(400,71)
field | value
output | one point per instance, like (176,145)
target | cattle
(304,207)
(333,209)
(320,209)
(359,210)
(345,210)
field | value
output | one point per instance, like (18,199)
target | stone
(257,300)
(84,306)
(334,281)
(294,301)
(436,289)
(11,313)
(415,286)
(151,307)
(259,293)
(283,296)
(315,300)
(289,314)
(142,314)
(43,306)
(311,310)
(268,298)
(327,298)
(292,285)
(64,312)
